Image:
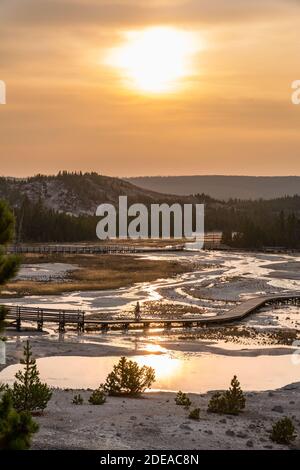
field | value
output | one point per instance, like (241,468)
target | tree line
(244,224)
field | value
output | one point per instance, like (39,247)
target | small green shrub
(4,388)
(16,428)
(230,402)
(77,400)
(97,397)
(182,399)
(195,414)
(127,378)
(283,431)
(217,403)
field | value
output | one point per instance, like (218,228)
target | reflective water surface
(188,372)
(221,280)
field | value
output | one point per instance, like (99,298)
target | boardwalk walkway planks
(16,315)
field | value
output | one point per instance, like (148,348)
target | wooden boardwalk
(78,319)
(89,249)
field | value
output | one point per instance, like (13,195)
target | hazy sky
(227,110)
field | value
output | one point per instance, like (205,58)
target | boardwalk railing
(88,249)
(18,314)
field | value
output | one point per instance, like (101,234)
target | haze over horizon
(154,175)
(221,187)
(99,86)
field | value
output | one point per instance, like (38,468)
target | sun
(154,60)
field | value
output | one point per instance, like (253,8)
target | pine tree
(127,378)
(182,399)
(16,428)
(283,431)
(226,237)
(235,397)
(97,397)
(230,402)
(8,263)
(28,392)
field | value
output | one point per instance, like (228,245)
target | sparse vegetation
(182,399)
(98,397)
(230,402)
(96,272)
(28,393)
(77,400)
(244,335)
(127,378)
(283,431)
(195,414)
(170,310)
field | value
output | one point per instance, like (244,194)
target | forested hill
(77,193)
(61,209)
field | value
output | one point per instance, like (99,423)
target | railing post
(82,326)
(62,322)
(18,319)
(40,319)
(80,321)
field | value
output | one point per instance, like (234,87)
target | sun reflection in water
(165,366)
(155,348)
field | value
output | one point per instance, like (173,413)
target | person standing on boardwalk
(137,312)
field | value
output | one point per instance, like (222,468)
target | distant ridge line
(222,187)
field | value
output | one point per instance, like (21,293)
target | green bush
(28,393)
(283,431)
(217,403)
(195,414)
(230,402)
(182,399)
(97,397)
(77,400)
(127,378)
(4,388)
(16,428)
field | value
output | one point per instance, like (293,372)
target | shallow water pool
(187,372)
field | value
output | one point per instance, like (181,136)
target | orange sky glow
(132,87)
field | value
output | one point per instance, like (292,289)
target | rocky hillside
(77,193)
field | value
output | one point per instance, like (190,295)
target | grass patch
(96,272)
